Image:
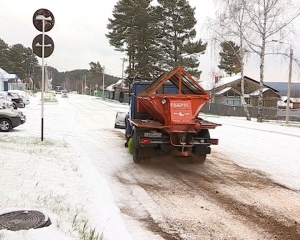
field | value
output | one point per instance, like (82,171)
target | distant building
(227,91)
(5,77)
(294,103)
(118,85)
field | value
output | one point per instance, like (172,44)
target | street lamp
(287,118)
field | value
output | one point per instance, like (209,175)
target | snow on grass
(45,176)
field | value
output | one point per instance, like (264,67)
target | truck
(163,118)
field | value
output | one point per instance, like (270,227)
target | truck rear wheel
(135,150)
(201,158)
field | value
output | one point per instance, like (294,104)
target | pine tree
(133,31)
(230,61)
(177,25)
(4,55)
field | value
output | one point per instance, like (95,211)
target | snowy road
(217,200)
(247,189)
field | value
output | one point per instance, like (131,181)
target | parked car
(120,120)
(16,99)
(23,95)
(5,102)
(7,97)
(64,94)
(10,118)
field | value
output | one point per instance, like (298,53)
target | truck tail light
(213,141)
(145,140)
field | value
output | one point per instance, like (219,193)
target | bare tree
(269,19)
(231,22)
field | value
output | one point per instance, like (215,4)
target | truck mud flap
(201,150)
(147,152)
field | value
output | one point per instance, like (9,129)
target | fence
(224,110)
(294,114)
(17,86)
(238,111)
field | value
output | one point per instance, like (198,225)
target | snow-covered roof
(226,80)
(223,91)
(119,83)
(284,98)
(226,90)
(2,71)
(6,75)
(256,93)
(210,84)
(10,76)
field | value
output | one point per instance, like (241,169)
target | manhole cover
(23,220)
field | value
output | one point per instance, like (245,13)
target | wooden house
(228,91)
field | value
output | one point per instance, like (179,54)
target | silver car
(64,94)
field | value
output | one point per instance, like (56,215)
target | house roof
(256,92)
(226,90)
(6,75)
(2,71)
(292,100)
(10,76)
(225,80)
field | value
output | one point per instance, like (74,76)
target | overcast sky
(79,35)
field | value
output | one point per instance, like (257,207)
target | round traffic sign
(37,45)
(43,15)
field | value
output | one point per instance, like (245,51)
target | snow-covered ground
(270,147)
(58,176)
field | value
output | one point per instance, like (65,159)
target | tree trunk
(242,78)
(261,74)
(261,84)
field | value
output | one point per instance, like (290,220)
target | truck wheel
(135,151)
(129,145)
(5,125)
(201,158)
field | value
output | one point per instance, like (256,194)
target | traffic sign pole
(43,81)
(43,21)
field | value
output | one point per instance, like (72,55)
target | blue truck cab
(135,89)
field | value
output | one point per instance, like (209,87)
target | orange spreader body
(176,112)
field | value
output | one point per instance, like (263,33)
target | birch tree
(230,24)
(269,19)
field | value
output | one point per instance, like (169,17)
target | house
(227,91)
(294,103)
(4,78)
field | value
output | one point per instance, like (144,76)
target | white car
(64,94)
(5,102)
(23,95)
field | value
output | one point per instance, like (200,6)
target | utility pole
(103,83)
(82,85)
(123,61)
(289,87)
(85,84)
(288,100)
